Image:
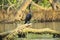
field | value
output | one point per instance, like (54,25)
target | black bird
(28,17)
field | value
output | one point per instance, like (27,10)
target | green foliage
(12,1)
(17,3)
(44,3)
(7,1)
(0,2)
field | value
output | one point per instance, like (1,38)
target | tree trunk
(19,14)
(54,4)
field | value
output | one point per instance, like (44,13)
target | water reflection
(52,25)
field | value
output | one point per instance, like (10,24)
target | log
(19,28)
(26,28)
(48,30)
(16,31)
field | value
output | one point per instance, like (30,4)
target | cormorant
(28,17)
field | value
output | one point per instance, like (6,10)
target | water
(40,39)
(7,27)
(52,25)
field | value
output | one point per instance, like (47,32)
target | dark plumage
(28,17)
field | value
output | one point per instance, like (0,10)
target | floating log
(26,28)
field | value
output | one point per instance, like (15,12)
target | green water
(52,25)
(38,37)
